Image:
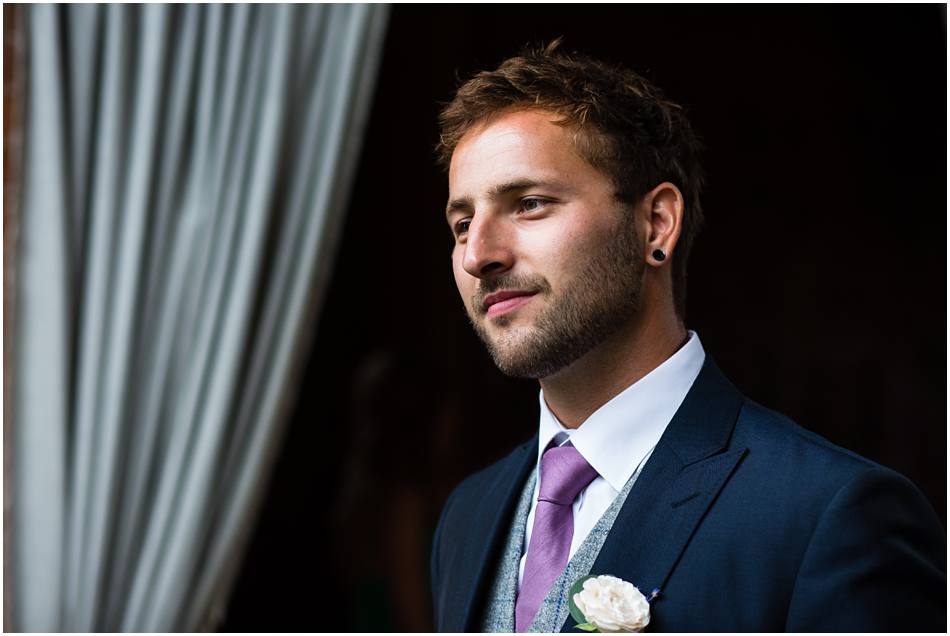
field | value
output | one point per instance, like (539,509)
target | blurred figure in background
(398,472)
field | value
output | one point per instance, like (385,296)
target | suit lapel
(491,519)
(680,481)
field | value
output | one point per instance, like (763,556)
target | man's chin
(525,368)
(518,350)
(499,331)
(520,360)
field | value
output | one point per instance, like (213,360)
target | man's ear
(665,218)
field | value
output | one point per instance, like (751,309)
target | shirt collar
(620,434)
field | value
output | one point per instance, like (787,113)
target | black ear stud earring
(659,255)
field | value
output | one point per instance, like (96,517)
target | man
(574,200)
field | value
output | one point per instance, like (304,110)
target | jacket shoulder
(800,468)
(777,436)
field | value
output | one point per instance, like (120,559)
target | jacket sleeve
(875,562)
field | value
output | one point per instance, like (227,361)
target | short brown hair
(631,132)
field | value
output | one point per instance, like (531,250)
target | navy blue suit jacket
(743,519)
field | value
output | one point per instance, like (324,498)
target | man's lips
(504,301)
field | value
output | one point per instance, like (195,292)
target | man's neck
(578,390)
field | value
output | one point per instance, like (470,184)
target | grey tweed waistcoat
(499,613)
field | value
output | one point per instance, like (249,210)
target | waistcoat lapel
(678,484)
(478,554)
(499,606)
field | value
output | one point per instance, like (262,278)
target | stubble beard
(603,298)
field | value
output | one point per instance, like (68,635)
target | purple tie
(564,474)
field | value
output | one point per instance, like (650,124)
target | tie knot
(564,473)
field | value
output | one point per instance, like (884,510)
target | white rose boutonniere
(608,604)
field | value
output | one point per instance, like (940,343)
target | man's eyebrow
(464,204)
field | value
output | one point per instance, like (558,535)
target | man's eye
(462,227)
(532,205)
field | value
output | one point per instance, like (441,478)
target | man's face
(549,264)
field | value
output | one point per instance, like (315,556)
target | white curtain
(185,171)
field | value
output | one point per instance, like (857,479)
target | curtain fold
(185,175)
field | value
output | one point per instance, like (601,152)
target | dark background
(818,284)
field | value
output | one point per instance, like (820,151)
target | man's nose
(487,248)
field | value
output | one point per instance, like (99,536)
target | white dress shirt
(618,437)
